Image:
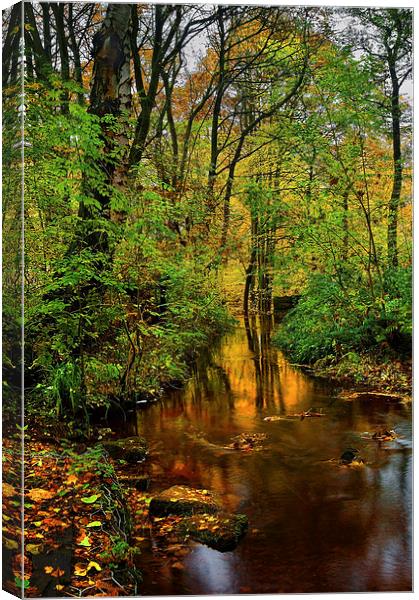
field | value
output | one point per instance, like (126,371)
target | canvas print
(207,299)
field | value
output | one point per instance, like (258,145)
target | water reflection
(212,572)
(265,359)
(315,526)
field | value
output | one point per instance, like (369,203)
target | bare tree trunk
(221,88)
(110,95)
(11,46)
(147,99)
(78,74)
(46,24)
(42,63)
(58,10)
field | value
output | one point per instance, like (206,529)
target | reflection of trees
(265,359)
(211,382)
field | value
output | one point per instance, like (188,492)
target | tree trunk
(147,100)
(110,96)
(46,24)
(394,203)
(251,269)
(345,225)
(11,46)
(221,88)
(111,91)
(78,73)
(42,63)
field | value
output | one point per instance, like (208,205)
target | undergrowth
(347,331)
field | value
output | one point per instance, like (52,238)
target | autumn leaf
(38,494)
(9,490)
(90,499)
(85,542)
(93,565)
(71,479)
(54,572)
(53,522)
(10,544)
(59,587)
(33,548)
(80,570)
(94,524)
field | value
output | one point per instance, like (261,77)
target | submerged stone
(248,441)
(182,500)
(133,449)
(349,455)
(222,532)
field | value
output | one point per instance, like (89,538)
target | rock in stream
(182,500)
(133,449)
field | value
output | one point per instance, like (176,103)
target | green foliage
(332,321)
(398,300)
(113,320)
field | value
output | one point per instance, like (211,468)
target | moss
(181,500)
(222,532)
(133,449)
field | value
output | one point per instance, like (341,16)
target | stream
(314,525)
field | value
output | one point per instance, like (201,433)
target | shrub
(331,321)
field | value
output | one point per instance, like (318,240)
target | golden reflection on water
(315,526)
(248,381)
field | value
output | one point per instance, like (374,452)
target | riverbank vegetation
(167,147)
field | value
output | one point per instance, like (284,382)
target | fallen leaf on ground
(90,499)
(33,548)
(85,542)
(38,494)
(80,570)
(10,544)
(9,490)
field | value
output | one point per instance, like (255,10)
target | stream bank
(385,374)
(78,530)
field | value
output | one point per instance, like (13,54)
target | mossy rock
(182,500)
(139,482)
(133,449)
(222,532)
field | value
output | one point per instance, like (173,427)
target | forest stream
(315,525)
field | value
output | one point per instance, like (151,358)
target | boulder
(182,500)
(222,531)
(133,449)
